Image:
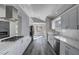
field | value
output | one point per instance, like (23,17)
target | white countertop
(5,45)
(72,42)
(69,36)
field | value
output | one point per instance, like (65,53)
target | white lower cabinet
(66,49)
(69,19)
(69,50)
(18,48)
(14,50)
(62,48)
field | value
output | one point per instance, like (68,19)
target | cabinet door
(69,19)
(16,49)
(65,21)
(72,18)
(69,50)
(62,48)
(78,18)
(74,51)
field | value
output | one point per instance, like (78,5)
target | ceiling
(41,11)
(37,20)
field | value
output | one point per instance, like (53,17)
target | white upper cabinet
(8,11)
(65,21)
(2,10)
(69,19)
(11,12)
(72,13)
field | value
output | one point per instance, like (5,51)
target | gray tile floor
(39,46)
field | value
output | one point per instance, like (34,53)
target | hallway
(39,47)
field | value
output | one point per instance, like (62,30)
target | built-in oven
(4,34)
(4,29)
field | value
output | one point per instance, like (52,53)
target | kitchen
(60,28)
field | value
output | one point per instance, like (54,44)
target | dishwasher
(57,46)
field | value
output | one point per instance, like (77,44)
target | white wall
(12,28)
(38,30)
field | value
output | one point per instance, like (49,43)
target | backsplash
(70,33)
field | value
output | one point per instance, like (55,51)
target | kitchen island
(16,47)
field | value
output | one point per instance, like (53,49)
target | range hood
(11,14)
